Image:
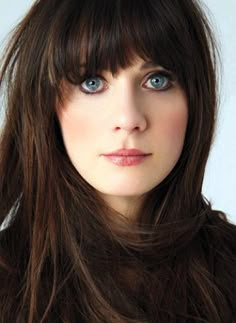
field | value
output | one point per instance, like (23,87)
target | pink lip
(126,157)
(127,152)
(126,160)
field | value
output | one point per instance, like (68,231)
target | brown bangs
(111,36)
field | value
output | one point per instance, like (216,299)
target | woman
(110,115)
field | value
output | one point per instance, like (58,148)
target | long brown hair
(62,258)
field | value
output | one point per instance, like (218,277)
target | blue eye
(91,84)
(160,80)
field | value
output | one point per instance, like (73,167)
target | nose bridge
(128,112)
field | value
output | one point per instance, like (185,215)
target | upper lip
(127,152)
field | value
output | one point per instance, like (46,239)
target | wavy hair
(62,258)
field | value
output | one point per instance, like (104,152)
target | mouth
(127,153)
(129,160)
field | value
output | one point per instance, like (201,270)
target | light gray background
(220,177)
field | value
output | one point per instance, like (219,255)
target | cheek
(172,128)
(175,127)
(71,130)
(77,129)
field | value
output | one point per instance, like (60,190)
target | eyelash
(167,75)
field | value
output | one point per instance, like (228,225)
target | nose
(129,113)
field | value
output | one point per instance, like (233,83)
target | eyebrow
(144,66)
(149,65)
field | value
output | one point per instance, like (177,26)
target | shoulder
(221,236)
(220,246)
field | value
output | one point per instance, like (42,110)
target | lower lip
(127,160)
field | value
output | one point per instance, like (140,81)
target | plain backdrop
(220,177)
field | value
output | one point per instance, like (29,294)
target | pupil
(92,83)
(156,81)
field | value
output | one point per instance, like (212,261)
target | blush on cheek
(172,130)
(177,128)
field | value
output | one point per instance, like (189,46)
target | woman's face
(139,108)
